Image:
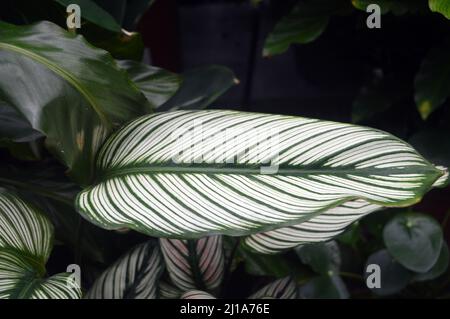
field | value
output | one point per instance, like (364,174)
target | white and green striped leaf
(320,228)
(194,264)
(284,288)
(134,276)
(188,174)
(197,294)
(26,237)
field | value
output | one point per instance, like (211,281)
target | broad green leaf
(134,276)
(284,288)
(432,82)
(439,267)
(67,90)
(324,287)
(414,240)
(156,84)
(197,294)
(194,264)
(13,127)
(173,175)
(304,24)
(393,278)
(324,258)
(397,7)
(200,87)
(94,13)
(325,226)
(124,45)
(26,237)
(441,6)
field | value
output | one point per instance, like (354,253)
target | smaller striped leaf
(194,264)
(134,276)
(318,229)
(284,288)
(26,237)
(197,294)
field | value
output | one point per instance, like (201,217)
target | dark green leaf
(397,7)
(93,13)
(266,265)
(394,277)
(324,258)
(439,267)
(67,90)
(324,287)
(432,82)
(304,24)
(414,240)
(201,87)
(13,127)
(156,84)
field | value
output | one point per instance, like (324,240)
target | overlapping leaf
(134,276)
(194,264)
(187,174)
(284,288)
(25,244)
(66,89)
(197,294)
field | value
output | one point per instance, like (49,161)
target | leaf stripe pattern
(320,228)
(23,229)
(26,237)
(134,276)
(197,294)
(187,174)
(194,264)
(284,288)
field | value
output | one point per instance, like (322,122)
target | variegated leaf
(320,228)
(197,294)
(284,288)
(26,237)
(194,264)
(134,276)
(188,174)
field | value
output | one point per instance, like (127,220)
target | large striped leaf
(134,276)
(26,238)
(196,294)
(187,174)
(319,228)
(284,288)
(194,264)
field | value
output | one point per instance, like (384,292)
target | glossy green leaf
(393,276)
(323,258)
(439,267)
(284,288)
(432,82)
(156,84)
(13,127)
(66,89)
(194,264)
(414,240)
(441,6)
(324,287)
(94,13)
(26,237)
(134,276)
(304,24)
(161,176)
(201,87)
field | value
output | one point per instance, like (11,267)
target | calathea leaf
(197,294)
(64,88)
(26,237)
(194,264)
(323,227)
(188,174)
(156,84)
(284,288)
(134,276)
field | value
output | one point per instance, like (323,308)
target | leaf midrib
(64,74)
